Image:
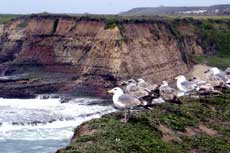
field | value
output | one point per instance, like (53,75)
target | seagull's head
(164,83)
(131,81)
(140,80)
(195,78)
(180,77)
(116,90)
(213,70)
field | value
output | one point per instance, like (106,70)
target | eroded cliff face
(97,56)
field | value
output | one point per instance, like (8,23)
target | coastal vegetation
(197,125)
(215,36)
(111,23)
(7,17)
(216,61)
(22,24)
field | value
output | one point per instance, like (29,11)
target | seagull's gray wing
(168,93)
(167,90)
(128,100)
(139,94)
(227,71)
(131,88)
(222,76)
(147,86)
(189,85)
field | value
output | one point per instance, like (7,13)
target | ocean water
(44,125)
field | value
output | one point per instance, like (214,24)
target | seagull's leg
(128,114)
(125,119)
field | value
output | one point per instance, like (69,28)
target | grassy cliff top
(120,18)
(7,17)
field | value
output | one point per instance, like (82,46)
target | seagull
(153,95)
(216,81)
(124,101)
(198,81)
(131,86)
(168,93)
(184,85)
(132,89)
(143,85)
(159,100)
(217,74)
(204,87)
(227,71)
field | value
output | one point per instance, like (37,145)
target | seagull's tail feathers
(227,85)
(143,105)
(216,92)
(228,81)
(197,88)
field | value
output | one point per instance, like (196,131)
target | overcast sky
(93,6)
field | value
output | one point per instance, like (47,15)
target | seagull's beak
(206,71)
(109,91)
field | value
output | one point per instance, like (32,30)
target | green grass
(206,144)
(217,61)
(215,36)
(116,137)
(7,17)
(23,24)
(142,133)
(110,24)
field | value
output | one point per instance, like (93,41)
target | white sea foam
(45,119)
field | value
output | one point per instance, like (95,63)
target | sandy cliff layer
(99,52)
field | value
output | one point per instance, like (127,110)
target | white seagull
(168,93)
(184,85)
(131,85)
(132,89)
(198,81)
(227,71)
(204,87)
(143,85)
(124,101)
(218,74)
